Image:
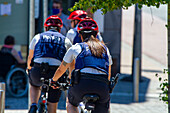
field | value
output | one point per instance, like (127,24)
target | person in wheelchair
(9,57)
(46,51)
(92,72)
(12,69)
(8,47)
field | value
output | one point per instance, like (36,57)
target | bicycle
(42,105)
(89,100)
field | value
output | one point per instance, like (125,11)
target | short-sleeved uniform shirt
(35,74)
(66,24)
(74,51)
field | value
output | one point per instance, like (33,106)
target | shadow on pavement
(22,102)
(16,103)
(123,92)
(151,70)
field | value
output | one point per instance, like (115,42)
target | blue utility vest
(51,44)
(86,59)
(77,38)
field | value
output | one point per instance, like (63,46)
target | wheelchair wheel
(16,82)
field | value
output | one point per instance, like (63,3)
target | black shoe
(33,109)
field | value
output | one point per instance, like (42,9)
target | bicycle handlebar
(62,86)
(65,85)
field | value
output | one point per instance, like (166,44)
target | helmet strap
(46,28)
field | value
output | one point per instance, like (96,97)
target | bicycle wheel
(41,108)
(16,82)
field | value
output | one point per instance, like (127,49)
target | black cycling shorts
(85,86)
(34,80)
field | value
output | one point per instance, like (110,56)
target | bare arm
(30,56)
(72,66)
(109,72)
(61,70)
(17,57)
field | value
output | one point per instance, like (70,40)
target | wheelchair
(14,75)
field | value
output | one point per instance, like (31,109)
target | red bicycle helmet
(54,21)
(87,24)
(78,15)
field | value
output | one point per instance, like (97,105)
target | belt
(39,65)
(101,78)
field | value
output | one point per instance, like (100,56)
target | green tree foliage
(164,87)
(110,5)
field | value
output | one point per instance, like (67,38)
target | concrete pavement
(122,96)
(154,61)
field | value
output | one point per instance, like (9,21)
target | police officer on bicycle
(46,51)
(72,34)
(92,68)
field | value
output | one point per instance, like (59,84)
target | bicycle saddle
(90,100)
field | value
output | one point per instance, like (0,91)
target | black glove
(54,83)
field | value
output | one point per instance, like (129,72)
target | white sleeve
(34,41)
(68,43)
(99,36)
(110,57)
(72,53)
(71,34)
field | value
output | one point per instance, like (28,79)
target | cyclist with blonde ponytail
(91,75)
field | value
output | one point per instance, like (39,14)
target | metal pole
(137,41)
(31,32)
(2,97)
(136,80)
(45,10)
(31,20)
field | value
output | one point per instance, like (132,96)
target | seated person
(8,47)
(8,57)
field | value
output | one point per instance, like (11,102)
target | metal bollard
(29,99)
(136,81)
(2,97)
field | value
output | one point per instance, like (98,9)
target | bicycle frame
(44,90)
(82,109)
(42,108)
(88,103)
